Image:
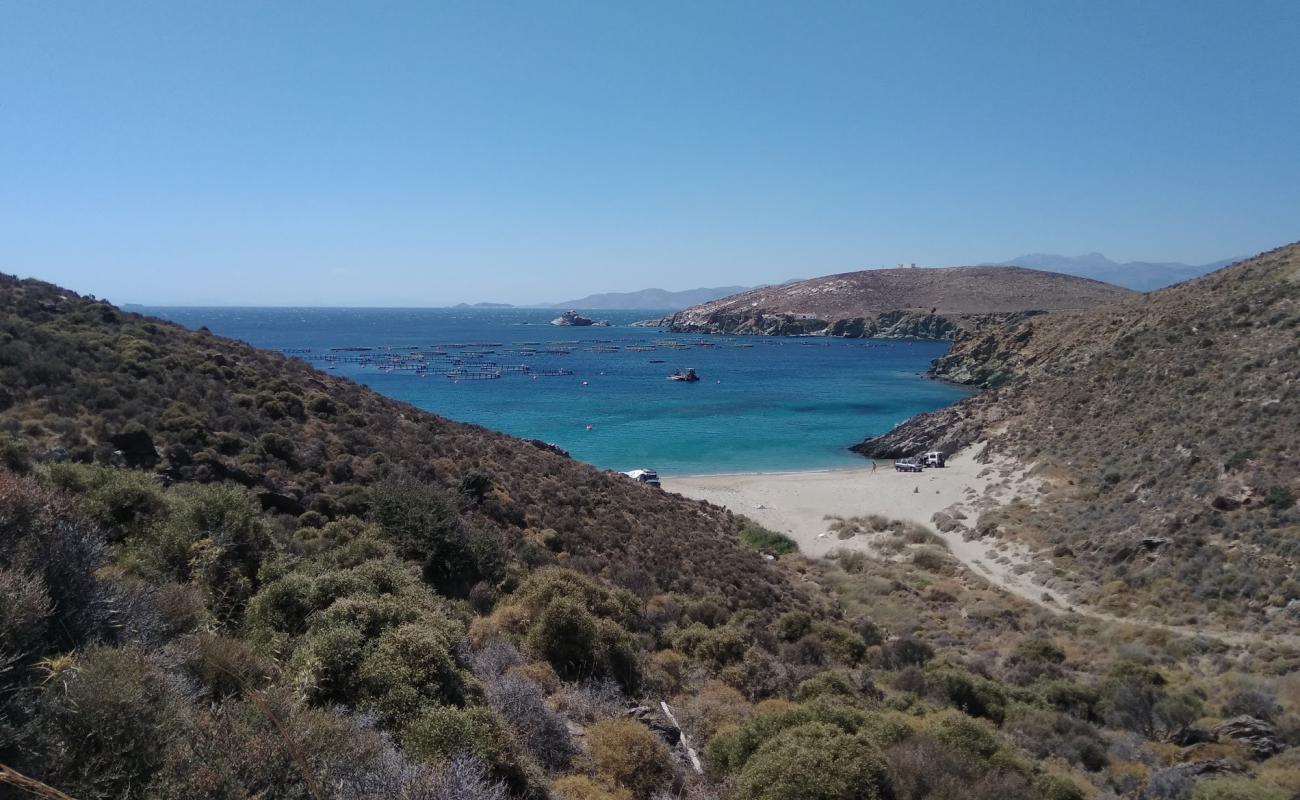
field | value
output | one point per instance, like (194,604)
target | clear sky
(425,153)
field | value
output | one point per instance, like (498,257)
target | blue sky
(423,153)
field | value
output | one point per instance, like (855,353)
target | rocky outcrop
(985,354)
(574,319)
(1254,734)
(899,324)
(946,430)
(889,325)
(758,324)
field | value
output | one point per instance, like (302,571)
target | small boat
(688,376)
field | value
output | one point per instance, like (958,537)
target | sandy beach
(797,504)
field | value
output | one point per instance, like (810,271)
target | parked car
(907,466)
(647,476)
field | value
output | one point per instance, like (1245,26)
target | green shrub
(438,734)
(1129,696)
(841,643)
(1070,698)
(325,662)
(628,755)
(214,535)
(829,684)
(422,523)
(717,647)
(962,734)
(549,583)
(793,625)
(972,694)
(565,636)
(109,725)
(1237,788)
(728,752)
(276,446)
(409,668)
(122,502)
(14,456)
(814,761)
(1040,651)
(761,539)
(1057,787)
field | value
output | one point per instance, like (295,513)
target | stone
(1255,734)
(281,503)
(136,447)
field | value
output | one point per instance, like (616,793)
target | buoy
(584,383)
(589,427)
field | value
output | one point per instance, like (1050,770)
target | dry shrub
(182,607)
(506,620)
(851,561)
(521,703)
(666,672)
(713,706)
(580,787)
(540,673)
(590,702)
(932,559)
(629,756)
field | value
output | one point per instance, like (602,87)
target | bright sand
(797,504)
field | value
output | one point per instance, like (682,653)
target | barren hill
(924,303)
(1166,427)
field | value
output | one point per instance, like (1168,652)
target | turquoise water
(763,403)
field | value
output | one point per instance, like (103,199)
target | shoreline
(796,503)
(810,471)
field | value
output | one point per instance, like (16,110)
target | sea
(762,404)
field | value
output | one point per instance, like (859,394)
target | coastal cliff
(894,303)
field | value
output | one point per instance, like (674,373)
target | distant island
(648,299)
(893,303)
(1142,276)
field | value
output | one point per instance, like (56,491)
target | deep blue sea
(762,404)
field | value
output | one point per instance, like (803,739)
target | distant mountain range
(1143,276)
(649,299)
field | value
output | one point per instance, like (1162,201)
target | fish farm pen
(478,361)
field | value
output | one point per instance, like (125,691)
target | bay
(762,404)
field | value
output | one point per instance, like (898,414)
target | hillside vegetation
(1165,426)
(226,575)
(894,303)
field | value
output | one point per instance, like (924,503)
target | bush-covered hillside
(85,382)
(225,575)
(1168,427)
